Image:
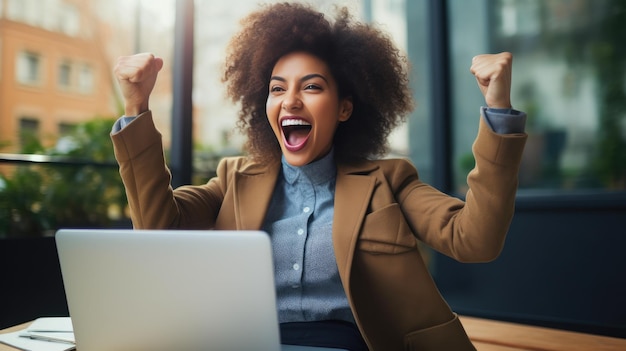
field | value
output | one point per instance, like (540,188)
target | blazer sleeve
(473,230)
(153,203)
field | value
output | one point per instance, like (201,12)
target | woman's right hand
(136,76)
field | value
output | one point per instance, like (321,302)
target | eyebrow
(303,79)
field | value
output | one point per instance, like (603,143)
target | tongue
(297,136)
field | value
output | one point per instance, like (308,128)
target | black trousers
(333,334)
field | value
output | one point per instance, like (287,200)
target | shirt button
(300,231)
(296,266)
(295,286)
(306,209)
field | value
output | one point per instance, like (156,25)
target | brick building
(54,71)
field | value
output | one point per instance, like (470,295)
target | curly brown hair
(363,60)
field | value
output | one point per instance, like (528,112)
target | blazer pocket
(385,231)
(446,336)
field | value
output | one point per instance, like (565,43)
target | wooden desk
(14,328)
(492,335)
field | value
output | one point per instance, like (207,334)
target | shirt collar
(317,172)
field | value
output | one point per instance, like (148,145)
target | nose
(291,101)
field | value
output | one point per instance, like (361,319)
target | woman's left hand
(493,75)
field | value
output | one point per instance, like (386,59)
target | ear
(345,108)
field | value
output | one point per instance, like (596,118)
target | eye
(312,86)
(276,88)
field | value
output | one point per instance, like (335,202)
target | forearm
(472,230)
(490,201)
(139,152)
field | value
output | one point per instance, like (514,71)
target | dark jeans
(333,334)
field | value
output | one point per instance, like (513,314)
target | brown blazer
(381,207)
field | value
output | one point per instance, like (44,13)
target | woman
(318,99)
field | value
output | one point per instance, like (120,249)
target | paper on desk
(57,329)
(66,337)
(51,324)
(14,339)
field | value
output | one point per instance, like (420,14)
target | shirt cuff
(123,122)
(504,120)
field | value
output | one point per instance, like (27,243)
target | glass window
(92,34)
(16,9)
(69,19)
(215,134)
(390,16)
(65,75)
(78,42)
(29,125)
(66,129)
(85,79)
(32,12)
(420,122)
(29,131)
(28,68)
(569,76)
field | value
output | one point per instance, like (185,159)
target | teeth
(294,122)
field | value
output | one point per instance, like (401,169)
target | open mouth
(296,132)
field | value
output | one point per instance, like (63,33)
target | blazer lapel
(254,186)
(253,191)
(353,191)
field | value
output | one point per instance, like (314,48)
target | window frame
(29,68)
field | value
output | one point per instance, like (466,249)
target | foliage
(43,198)
(601,47)
(609,60)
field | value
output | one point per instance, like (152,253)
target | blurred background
(563,264)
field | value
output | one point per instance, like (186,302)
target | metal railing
(51,160)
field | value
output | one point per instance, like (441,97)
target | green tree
(85,190)
(609,61)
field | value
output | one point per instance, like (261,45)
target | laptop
(170,290)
